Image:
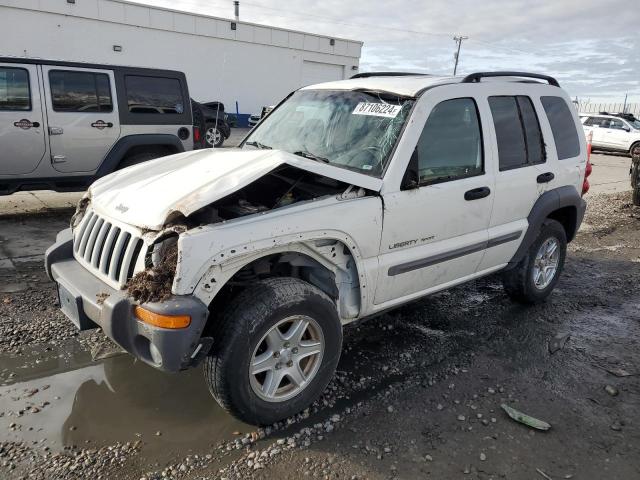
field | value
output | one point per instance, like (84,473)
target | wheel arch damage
(330,261)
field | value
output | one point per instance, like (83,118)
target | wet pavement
(67,399)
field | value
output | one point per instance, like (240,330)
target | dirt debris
(154,284)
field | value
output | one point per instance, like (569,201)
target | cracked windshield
(353,130)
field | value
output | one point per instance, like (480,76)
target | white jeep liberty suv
(348,199)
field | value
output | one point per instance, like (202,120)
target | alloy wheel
(286,359)
(546,263)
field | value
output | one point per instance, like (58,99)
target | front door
(83,117)
(436,233)
(21,123)
(618,134)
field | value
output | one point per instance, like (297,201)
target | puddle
(118,399)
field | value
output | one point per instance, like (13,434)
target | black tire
(519,282)
(635,150)
(141,157)
(212,131)
(244,323)
(635,181)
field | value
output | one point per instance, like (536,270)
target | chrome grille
(109,250)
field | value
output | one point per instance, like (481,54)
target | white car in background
(617,133)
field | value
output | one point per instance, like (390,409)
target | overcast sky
(591,46)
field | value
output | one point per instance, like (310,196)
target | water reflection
(120,399)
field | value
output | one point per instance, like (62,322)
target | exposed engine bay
(281,187)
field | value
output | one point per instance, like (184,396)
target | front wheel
(534,278)
(275,350)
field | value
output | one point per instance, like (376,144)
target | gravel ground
(418,391)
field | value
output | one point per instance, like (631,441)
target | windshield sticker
(377,109)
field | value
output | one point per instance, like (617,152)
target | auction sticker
(377,109)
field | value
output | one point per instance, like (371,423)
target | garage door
(317,72)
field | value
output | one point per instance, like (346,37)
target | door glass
(73,91)
(562,126)
(532,133)
(450,145)
(14,89)
(154,95)
(616,124)
(509,134)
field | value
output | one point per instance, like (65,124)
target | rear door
(21,121)
(522,173)
(83,116)
(592,125)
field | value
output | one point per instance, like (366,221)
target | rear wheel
(535,277)
(213,136)
(276,349)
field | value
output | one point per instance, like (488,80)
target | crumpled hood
(145,195)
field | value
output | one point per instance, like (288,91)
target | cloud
(591,46)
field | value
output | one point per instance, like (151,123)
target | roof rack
(388,74)
(475,77)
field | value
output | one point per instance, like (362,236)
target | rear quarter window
(154,95)
(563,127)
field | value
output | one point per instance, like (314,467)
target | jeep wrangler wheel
(275,350)
(213,136)
(534,278)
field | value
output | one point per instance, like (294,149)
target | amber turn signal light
(163,321)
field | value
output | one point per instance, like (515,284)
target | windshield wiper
(259,145)
(311,156)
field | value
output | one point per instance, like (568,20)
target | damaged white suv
(348,199)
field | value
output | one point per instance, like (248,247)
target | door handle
(100,124)
(477,193)
(58,159)
(545,177)
(56,131)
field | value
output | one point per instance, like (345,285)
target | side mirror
(626,129)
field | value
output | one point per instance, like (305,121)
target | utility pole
(456,56)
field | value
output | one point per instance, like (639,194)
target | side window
(562,126)
(76,91)
(450,146)
(532,133)
(14,89)
(616,124)
(154,95)
(592,122)
(518,134)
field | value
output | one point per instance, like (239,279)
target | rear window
(14,89)
(518,132)
(155,95)
(76,91)
(562,126)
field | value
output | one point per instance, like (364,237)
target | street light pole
(458,40)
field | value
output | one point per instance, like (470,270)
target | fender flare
(546,204)
(123,145)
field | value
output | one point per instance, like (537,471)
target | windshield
(354,130)
(635,123)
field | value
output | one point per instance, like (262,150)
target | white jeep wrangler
(348,199)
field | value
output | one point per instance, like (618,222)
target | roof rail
(475,77)
(388,74)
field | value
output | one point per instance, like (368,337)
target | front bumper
(91,303)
